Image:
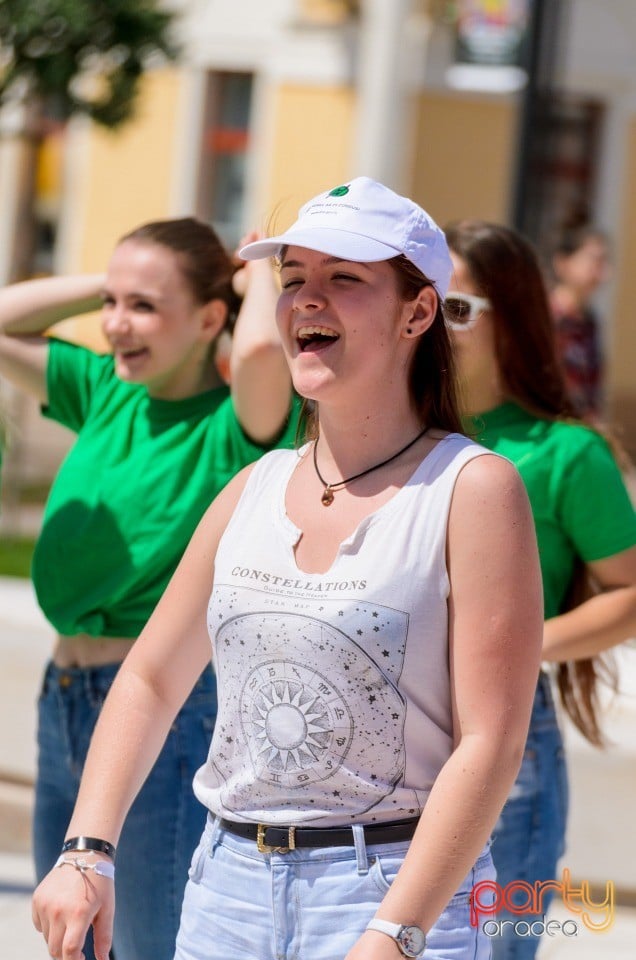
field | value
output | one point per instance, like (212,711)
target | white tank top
(333,688)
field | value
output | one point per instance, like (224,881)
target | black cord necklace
(327,496)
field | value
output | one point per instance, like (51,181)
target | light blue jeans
(308,904)
(164,824)
(529,837)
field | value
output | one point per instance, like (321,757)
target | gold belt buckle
(263,847)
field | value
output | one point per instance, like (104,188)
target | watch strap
(409,938)
(385,926)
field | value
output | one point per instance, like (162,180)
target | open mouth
(135,354)
(314,337)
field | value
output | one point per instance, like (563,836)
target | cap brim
(336,243)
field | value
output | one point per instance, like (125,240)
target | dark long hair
(505,268)
(205,263)
(432,379)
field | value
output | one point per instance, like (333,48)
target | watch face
(412,941)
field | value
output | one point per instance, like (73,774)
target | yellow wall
(126,179)
(325,11)
(621,380)
(312,143)
(464,153)
(131,170)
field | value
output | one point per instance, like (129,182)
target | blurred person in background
(516,403)
(581,264)
(159,433)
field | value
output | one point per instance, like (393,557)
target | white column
(11,148)
(382,130)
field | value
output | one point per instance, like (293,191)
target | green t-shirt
(580,504)
(130,492)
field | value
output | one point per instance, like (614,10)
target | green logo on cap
(339,191)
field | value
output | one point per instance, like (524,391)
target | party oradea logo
(523,899)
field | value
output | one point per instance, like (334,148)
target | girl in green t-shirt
(158,434)
(516,404)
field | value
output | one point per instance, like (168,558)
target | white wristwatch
(411,940)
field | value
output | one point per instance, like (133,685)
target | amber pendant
(327,497)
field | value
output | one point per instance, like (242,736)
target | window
(37,196)
(224,153)
(563,167)
(47,200)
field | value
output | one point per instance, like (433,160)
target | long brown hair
(505,268)
(432,379)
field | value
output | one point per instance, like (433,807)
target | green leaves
(81,56)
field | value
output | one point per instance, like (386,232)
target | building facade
(272,102)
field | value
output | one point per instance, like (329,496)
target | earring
(409,329)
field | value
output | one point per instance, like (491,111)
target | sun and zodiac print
(326,682)
(294,682)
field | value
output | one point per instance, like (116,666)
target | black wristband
(89,843)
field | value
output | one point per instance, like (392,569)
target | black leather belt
(271,839)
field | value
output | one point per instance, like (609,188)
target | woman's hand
(249,269)
(259,375)
(67,902)
(604,619)
(240,279)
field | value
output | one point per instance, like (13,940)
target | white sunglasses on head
(462,310)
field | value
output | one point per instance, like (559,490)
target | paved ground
(601,838)
(19,938)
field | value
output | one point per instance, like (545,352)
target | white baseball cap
(365,221)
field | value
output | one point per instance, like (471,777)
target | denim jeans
(308,904)
(529,837)
(164,824)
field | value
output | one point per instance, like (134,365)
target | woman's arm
(26,311)
(606,619)
(259,375)
(150,687)
(495,639)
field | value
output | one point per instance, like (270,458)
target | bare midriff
(82,650)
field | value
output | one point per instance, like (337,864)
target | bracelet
(89,843)
(103,868)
